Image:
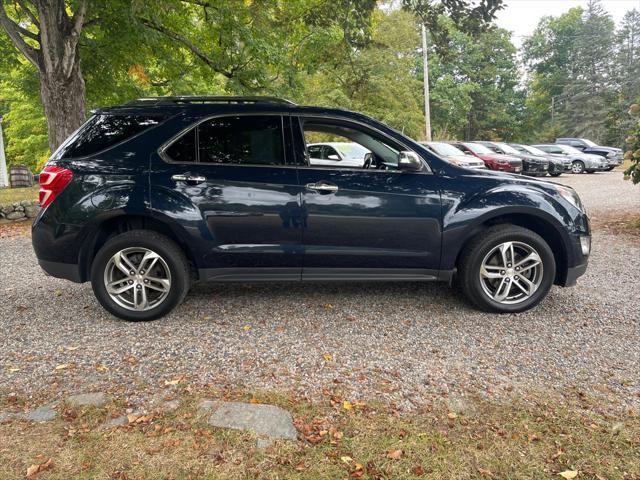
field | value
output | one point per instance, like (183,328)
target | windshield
(570,149)
(533,150)
(351,151)
(507,149)
(477,148)
(589,143)
(445,149)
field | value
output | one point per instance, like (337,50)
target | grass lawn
(533,440)
(10,195)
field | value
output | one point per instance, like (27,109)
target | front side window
(236,140)
(104,131)
(358,148)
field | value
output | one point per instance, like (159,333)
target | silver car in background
(337,154)
(580,161)
(454,155)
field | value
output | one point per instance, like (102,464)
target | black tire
(610,168)
(480,246)
(556,174)
(577,166)
(591,171)
(172,255)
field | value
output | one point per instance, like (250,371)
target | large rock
(269,420)
(15,215)
(88,400)
(41,414)
(31,211)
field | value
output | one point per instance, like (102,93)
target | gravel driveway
(391,341)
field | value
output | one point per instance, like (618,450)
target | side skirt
(324,274)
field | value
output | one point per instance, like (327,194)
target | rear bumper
(68,271)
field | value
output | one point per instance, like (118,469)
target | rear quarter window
(101,132)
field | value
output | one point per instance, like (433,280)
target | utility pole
(4,181)
(425,60)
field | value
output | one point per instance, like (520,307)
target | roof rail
(206,99)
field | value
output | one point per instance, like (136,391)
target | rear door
(228,181)
(365,223)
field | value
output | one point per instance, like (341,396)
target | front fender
(464,217)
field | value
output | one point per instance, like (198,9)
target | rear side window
(241,140)
(105,131)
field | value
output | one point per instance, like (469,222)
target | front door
(370,221)
(228,181)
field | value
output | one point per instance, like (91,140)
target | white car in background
(337,154)
(454,155)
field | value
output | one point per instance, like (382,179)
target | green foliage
(633,146)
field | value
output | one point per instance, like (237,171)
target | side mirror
(333,156)
(409,161)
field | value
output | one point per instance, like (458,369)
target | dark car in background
(558,164)
(531,164)
(147,198)
(613,155)
(493,161)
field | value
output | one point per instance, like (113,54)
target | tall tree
(47,33)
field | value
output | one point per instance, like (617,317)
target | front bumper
(573,273)
(531,168)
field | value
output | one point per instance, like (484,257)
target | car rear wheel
(577,166)
(140,275)
(507,269)
(556,174)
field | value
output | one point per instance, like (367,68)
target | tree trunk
(63,101)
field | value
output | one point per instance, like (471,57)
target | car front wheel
(140,275)
(507,269)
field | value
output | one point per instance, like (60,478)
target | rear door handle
(185,177)
(322,187)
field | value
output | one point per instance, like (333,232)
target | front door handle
(187,178)
(322,187)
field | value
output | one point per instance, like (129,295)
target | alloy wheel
(137,279)
(511,272)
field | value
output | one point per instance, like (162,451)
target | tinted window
(104,131)
(184,149)
(243,140)
(315,151)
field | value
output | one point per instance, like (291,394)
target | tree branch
(71,43)
(13,30)
(29,13)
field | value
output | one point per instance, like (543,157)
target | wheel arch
(544,226)
(114,225)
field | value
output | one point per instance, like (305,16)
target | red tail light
(52,181)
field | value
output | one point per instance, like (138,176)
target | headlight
(570,196)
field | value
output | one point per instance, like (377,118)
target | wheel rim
(511,273)
(137,279)
(576,167)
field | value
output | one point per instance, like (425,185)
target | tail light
(52,181)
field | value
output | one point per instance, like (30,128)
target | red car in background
(492,160)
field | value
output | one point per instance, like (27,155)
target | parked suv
(147,198)
(613,155)
(580,162)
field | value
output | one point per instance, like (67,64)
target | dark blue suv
(147,198)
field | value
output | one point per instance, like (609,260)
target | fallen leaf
(101,368)
(394,454)
(418,470)
(346,459)
(12,369)
(452,415)
(347,405)
(327,306)
(175,381)
(206,317)
(131,360)
(62,366)
(247,328)
(485,472)
(569,474)
(254,400)
(328,357)
(39,467)
(71,349)
(359,466)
